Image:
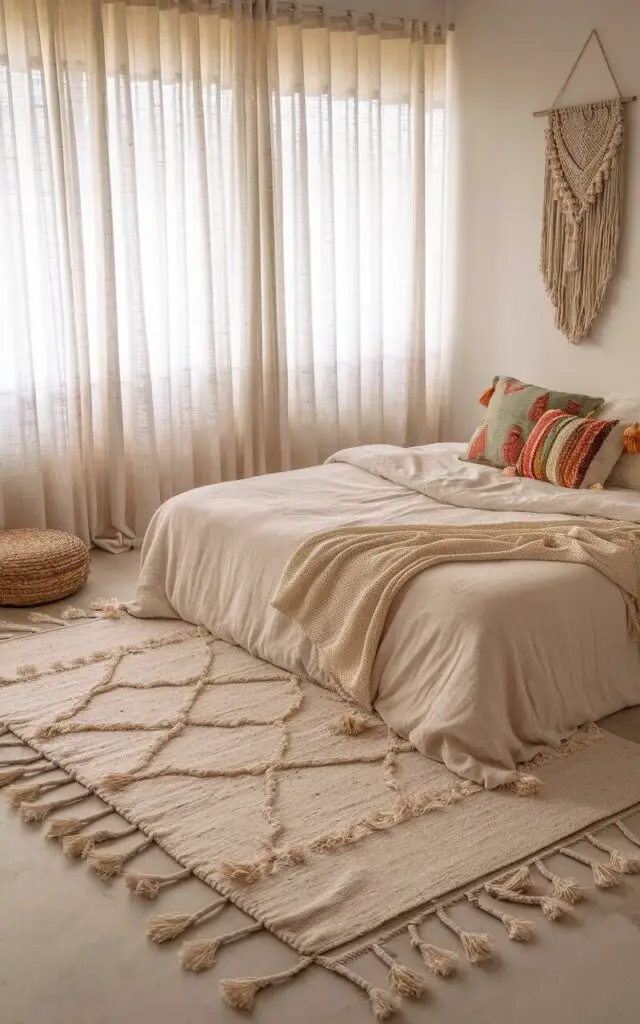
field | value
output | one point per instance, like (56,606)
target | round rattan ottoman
(40,566)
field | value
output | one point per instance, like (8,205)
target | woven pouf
(40,566)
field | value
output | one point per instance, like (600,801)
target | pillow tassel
(632,439)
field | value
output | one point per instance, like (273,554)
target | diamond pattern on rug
(314,819)
(179,694)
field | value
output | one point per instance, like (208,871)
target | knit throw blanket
(339,585)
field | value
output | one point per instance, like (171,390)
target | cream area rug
(324,827)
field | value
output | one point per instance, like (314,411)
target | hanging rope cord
(593,34)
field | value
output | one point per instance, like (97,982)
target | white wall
(512,57)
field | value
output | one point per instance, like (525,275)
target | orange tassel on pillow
(632,439)
(487,395)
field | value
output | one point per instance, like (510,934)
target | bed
(480,666)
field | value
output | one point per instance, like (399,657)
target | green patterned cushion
(513,410)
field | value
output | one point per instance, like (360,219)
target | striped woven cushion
(570,451)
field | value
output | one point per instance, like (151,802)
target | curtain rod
(319,10)
(328,11)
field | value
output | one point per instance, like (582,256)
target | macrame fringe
(200,954)
(14,774)
(33,814)
(14,627)
(384,1004)
(568,890)
(80,846)
(20,794)
(476,946)
(61,827)
(108,865)
(626,831)
(552,908)
(580,233)
(240,993)
(621,863)
(148,886)
(44,617)
(109,608)
(519,881)
(604,877)
(165,927)
(442,962)
(518,929)
(402,980)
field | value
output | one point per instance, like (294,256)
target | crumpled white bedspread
(480,666)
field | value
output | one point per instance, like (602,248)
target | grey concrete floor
(73,950)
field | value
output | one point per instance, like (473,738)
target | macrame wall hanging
(582,204)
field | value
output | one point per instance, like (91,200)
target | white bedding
(536,643)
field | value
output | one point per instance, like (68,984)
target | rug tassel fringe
(82,845)
(240,993)
(384,1004)
(621,863)
(17,762)
(518,881)
(476,946)
(20,794)
(604,877)
(353,724)
(626,831)
(33,814)
(70,614)
(552,908)
(110,608)
(148,886)
(438,960)
(51,620)
(165,927)
(61,827)
(108,865)
(402,980)
(200,954)
(566,889)
(7,778)
(518,928)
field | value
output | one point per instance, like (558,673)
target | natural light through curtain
(221,249)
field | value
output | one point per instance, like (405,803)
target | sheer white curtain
(220,249)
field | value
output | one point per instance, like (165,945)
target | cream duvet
(480,665)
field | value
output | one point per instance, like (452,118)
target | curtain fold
(222,248)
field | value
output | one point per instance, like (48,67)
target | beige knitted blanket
(339,585)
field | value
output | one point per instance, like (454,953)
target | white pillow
(626,472)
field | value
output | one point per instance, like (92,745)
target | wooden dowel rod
(545,113)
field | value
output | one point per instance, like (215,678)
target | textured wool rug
(318,822)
